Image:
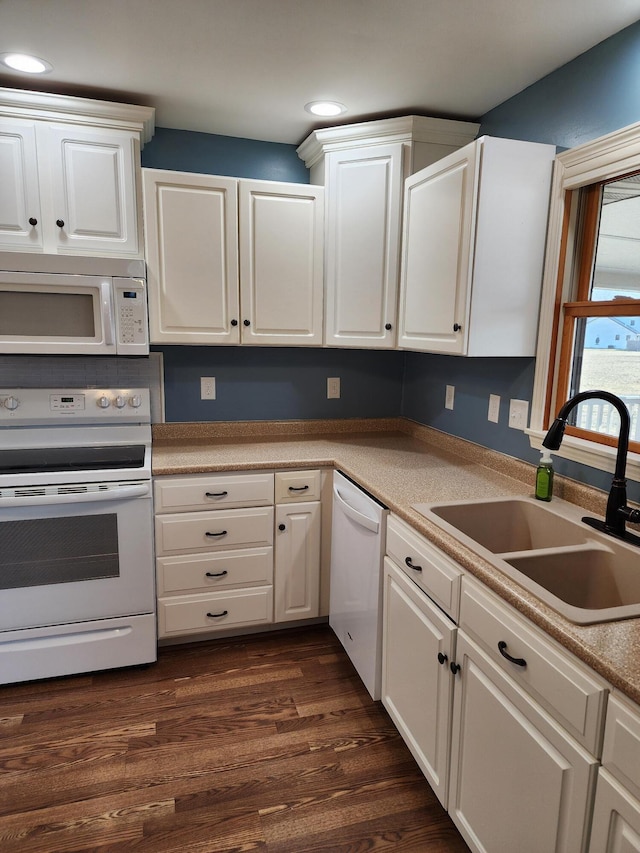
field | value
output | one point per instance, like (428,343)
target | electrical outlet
(518,414)
(333,387)
(207,388)
(448,397)
(494,408)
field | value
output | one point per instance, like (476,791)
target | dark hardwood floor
(268,743)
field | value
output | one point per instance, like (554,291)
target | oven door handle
(116,494)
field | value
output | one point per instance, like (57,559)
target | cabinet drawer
(560,683)
(297,486)
(210,491)
(208,572)
(189,614)
(434,572)
(621,751)
(214,531)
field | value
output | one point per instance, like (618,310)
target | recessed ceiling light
(25,63)
(325,108)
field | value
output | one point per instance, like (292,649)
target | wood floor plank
(267,743)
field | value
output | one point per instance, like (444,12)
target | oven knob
(135,401)
(119,402)
(11,403)
(103,402)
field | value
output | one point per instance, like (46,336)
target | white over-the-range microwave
(55,305)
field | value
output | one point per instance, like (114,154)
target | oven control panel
(24,406)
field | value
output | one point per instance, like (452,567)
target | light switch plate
(518,414)
(333,387)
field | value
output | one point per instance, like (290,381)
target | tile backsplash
(37,371)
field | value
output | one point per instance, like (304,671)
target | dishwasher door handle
(354,515)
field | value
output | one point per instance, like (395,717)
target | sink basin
(511,525)
(585,575)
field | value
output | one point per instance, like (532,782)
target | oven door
(56,314)
(80,553)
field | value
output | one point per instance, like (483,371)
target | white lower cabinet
(616,815)
(297,561)
(215,550)
(417,687)
(505,724)
(518,782)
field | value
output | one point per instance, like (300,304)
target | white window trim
(602,159)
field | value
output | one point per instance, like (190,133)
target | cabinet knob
(456,327)
(60,223)
(442,659)
(282,527)
(388,327)
(454,667)
(33,221)
(234,322)
(247,322)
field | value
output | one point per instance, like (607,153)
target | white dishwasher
(357,551)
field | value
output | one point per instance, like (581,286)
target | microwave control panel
(131,309)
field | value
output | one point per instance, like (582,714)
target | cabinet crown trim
(383,131)
(19,103)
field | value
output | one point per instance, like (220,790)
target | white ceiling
(247,67)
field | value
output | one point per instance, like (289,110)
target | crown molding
(436,131)
(21,103)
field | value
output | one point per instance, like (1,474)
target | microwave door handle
(107,313)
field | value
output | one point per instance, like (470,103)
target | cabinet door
(518,782)
(20,216)
(417,684)
(93,189)
(297,561)
(363,245)
(439,216)
(191,232)
(281,263)
(616,818)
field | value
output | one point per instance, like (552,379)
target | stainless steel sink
(585,575)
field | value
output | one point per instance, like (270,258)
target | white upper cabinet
(232,261)
(70,174)
(281,263)
(363,224)
(20,215)
(363,167)
(473,248)
(191,235)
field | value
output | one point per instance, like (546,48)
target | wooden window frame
(574,213)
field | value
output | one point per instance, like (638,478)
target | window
(588,336)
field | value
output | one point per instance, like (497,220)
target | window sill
(599,456)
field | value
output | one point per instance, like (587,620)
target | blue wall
(210,154)
(596,93)
(280,383)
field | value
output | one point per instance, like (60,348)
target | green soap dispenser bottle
(544,477)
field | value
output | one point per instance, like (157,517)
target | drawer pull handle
(217,574)
(298,488)
(502,648)
(217,615)
(213,535)
(409,563)
(442,659)
(216,494)
(454,667)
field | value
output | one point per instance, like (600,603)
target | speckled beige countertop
(403,463)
